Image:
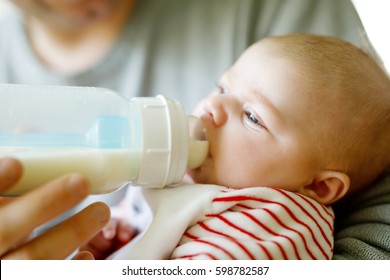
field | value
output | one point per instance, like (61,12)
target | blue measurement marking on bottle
(106,132)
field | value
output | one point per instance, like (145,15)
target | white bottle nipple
(198,145)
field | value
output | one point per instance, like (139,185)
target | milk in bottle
(56,130)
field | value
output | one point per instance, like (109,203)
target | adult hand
(21,215)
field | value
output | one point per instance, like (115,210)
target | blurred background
(373,14)
(376,21)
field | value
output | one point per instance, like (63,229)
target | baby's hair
(352,95)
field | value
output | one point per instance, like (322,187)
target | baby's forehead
(266,46)
(324,64)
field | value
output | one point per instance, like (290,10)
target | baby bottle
(53,130)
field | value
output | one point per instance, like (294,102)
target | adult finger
(10,172)
(5,200)
(60,241)
(20,217)
(84,255)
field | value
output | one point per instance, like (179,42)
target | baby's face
(257,125)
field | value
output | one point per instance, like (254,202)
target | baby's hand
(112,237)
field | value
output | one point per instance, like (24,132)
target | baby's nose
(215,111)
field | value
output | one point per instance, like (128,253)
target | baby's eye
(254,120)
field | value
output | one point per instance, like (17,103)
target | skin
(116,234)
(68,36)
(72,36)
(257,116)
(20,216)
(71,14)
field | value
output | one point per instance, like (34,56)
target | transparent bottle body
(59,130)
(96,132)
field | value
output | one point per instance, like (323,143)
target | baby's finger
(109,231)
(125,232)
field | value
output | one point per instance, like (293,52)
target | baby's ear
(328,187)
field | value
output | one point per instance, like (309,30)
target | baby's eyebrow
(257,97)
(274,117)
(225,78)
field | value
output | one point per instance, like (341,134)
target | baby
(296,124)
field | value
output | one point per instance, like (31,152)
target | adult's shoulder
(10,19)
(11,31)
(255,19)
(337,18)
(11,40)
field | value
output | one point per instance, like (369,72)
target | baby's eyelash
(254,120)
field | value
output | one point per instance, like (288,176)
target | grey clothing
(179,48)
(363,225)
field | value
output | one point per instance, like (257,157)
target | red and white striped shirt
(260,223)
(214,222)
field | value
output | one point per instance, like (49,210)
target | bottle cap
(165,138)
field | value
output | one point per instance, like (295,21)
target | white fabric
(177,214)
